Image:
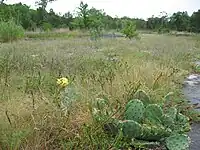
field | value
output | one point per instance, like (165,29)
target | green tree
(31,19)
(180,21)
(43,3)
(42,9)
(23,15)
(140,23)
(53,19)
(10,31)
(164,23)
(95,22)
(68,19)
(129,29)
(83,13)
(195,21)
(153,23)
(107,22)
(92,18)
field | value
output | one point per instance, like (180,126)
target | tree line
(92,18)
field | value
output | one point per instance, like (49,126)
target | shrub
(129,30)
(10,31)
(163,30)
(95,33)
(47,27)
(152,122)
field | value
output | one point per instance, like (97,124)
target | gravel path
(195,137)
(192,93)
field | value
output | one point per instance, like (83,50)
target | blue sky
(131,8)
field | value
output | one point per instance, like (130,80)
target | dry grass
(55,34)
(111,68)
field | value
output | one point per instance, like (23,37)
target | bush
(129,30)
(10,31)
(95,33)
(47,27)
(148,122)
(163,30)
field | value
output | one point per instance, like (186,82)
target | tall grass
(29,115)
(55,34)
(10,31)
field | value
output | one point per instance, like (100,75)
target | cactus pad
(154,122)
(134,110)
(182,118)
(131,129)
(178,142)
(154,132)
(169,117)
(182,123)
(142,95)
(153,113)
(172,112)
(167,121)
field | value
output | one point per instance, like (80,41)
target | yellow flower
(63,82)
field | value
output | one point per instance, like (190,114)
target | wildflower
(63,82)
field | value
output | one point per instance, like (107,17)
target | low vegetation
(37,113)
(9,31)
(149,122)
(129,30)
(67,89)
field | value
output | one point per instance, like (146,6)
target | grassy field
(33,115)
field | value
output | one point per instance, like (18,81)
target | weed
(9,31)
(30,117)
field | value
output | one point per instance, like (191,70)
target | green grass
(110,68)
(9,31)
(64,34)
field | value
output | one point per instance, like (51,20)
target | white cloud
(131,8)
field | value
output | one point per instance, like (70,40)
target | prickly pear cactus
(178,142)
(131,129)
(169,117)
(153,122)
(171,112)
(182,118)
(153,113)
(142,95)
(182,124)
(134,110)
(154,132)
(167,121)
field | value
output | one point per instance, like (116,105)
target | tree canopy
(86,18)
